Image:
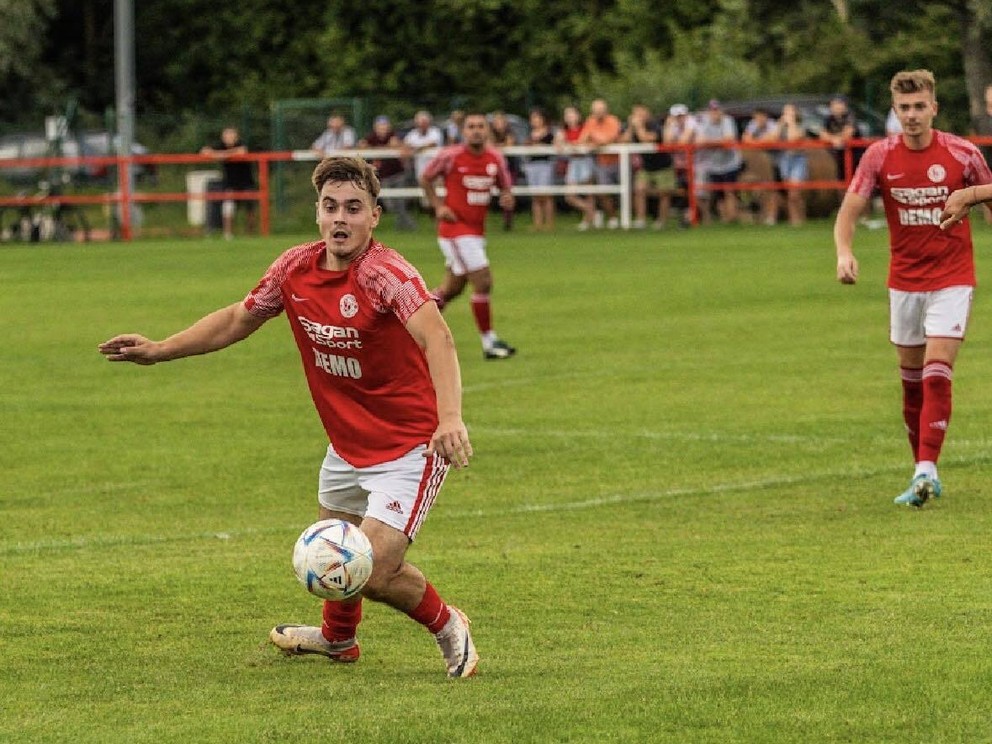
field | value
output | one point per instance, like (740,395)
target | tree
(21,47)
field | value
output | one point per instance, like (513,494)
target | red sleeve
(866,176)
(504,179)
(439,165)
(265,300)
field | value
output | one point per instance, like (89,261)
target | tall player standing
(470,171)
(931,271)
(382,370)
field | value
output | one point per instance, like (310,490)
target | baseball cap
(679,109)
(714,104)
(382,120)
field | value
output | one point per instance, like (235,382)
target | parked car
(814,110)
(86,143)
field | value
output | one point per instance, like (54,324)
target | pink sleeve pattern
(504,179)
(440,164)
(976,170)
(866,175)
(265,300)
(393,284)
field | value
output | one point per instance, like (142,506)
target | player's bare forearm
(450,440)
(960,202)
(215,331)
(847,215)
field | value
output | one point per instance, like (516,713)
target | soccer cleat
(499,350)
(295,640)
(455,642)
(921,489)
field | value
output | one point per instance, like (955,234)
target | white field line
(15,548)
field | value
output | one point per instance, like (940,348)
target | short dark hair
(355,171)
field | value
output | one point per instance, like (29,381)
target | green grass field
(678,526)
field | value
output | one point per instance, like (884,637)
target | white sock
(488,339)
(927,468)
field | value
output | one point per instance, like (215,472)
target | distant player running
(470,171)
(383,374)
(931,271)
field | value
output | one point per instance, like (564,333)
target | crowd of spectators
(660,182)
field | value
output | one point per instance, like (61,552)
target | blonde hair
(355,171)
(913,81)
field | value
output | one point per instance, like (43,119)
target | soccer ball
(333,559)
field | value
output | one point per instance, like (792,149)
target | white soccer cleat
(295,640)
(455,642)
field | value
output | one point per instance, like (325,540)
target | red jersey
(367,376)
(914,186)
(469,179)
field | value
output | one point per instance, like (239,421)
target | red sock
(936,412)
(432,613)
(482,313)
(912,404)
(341,619)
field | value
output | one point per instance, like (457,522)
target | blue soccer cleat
(921,489)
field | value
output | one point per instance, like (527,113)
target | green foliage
(220,58)
(677,527)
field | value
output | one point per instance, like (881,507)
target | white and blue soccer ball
(333,559)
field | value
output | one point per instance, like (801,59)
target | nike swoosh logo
(894,176)
(298,299)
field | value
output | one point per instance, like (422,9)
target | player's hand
(445,214)
(506,200)
(129,347)
(450,441)
(847,269)
(955,208)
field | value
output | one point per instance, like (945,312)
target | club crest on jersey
(936,173)
(349,306)
(492,169)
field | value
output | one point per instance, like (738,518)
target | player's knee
(377,587)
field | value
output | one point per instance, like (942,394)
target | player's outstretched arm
(215,331)
(432,334)
(960,202)
(847,218)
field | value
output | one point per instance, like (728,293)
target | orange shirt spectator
(601,128)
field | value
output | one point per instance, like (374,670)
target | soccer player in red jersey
(931,271)
(383,373)
(470,171)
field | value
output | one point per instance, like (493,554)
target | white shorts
(916,316)
(399,493)
(464,254)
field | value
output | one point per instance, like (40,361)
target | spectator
(717,165)
(763,128)
(238,175)
(793,164)
(982,127)
(453,127)
(501,135)
(539,170)
(421,141)
(892,125)
(655,176)
(579,170)
(391,171)
(680,130)
(838,129)
(338,136)
(602,128)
